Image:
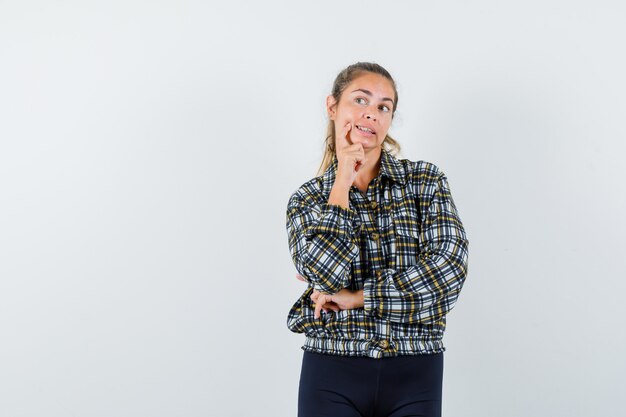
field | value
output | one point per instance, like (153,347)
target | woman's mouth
(365,131)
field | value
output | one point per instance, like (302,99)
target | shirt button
(384,344)
(373,204)
(375,236)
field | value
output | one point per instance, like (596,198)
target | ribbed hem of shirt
(371,348)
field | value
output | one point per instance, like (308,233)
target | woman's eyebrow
(369,93)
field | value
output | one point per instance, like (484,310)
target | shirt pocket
(407,237)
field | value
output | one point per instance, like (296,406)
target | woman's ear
(331,106)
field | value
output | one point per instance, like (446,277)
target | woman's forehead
(373,85)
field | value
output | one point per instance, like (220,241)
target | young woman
(383,250)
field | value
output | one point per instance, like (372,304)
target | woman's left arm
(428,290)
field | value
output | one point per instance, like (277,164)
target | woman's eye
(364,101)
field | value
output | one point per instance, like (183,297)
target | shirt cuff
(336,220)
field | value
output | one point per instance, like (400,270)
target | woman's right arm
(322,236)
(322,241)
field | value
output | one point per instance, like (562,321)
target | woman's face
(367,102)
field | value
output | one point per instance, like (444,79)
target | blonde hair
(343,79)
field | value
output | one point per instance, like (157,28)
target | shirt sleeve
(428,290)
(322,242)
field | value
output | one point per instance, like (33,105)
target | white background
(148,150)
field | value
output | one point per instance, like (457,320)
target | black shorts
(350,386)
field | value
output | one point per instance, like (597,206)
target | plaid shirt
(402,242)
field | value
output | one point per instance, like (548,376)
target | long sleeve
(427,290)
(321,241)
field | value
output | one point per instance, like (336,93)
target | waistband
(372,348)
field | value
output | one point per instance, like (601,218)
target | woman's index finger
(342,140)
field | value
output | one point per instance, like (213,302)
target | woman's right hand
(350,156)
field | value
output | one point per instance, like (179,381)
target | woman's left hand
(344,299)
